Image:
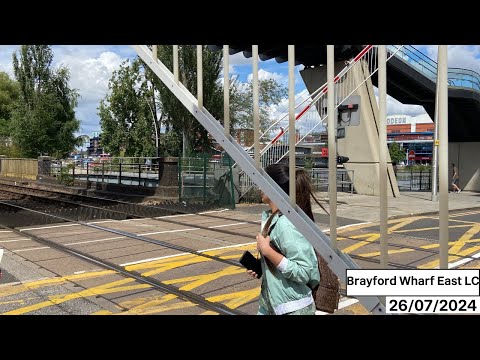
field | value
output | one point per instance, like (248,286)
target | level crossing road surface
(42,280)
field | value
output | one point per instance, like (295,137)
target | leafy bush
(65,177)
(417,168)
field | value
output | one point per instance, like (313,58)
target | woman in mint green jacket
(289,262)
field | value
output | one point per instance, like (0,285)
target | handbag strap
(273,225)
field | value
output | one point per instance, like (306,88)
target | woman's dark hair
(303,188)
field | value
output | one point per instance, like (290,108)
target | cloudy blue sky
(92,65)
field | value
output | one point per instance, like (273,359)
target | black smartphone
(251,263)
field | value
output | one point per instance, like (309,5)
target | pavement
(367,208)
(356,208)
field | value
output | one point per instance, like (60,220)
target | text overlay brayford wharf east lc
(413,282)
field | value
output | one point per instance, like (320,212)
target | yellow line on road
(431,228)
(201,279)
(102,312)
(369,240)
(403,223)
(19,288)
(467,236)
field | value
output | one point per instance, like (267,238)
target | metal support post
(291,124)
(332,145)
(382,153)
(256,107)
(444,180)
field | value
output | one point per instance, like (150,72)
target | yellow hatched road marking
(467,236)
(236,299)
(431,228)
(457,246)
(31,285)
(371,224)
(403,223)
(102,312)
(451,258)
(369,240)
(97,290)
(154,267)
(429,246)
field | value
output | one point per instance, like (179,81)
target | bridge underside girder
(308,55)
(409,86)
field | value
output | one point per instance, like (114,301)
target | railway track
(154,283)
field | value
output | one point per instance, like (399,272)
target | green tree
(397,154)
(9,94)
(172,143)
(270,93)
(138,104)
(177,117)
(43,122)
(128,113)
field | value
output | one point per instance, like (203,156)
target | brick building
(414,134)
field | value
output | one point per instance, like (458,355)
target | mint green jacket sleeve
(302,261)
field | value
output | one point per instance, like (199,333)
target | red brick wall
(398,128)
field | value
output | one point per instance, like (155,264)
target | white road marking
(10,284)
(220,226)
(461,262)
(93,241)
(139,219)
(213,211)
(8,241)
(168,231)
(102,221)
(171,216)
(180,215)
(350,225)
(175,255)
(49,227)
(120,237)
(31,249)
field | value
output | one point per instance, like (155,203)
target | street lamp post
(156,129)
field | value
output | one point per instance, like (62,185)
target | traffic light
(342,159)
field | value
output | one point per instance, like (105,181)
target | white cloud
(239,59)
(460,56)
(265,75)
(90,75)
(91,67)
(395,107)
(6,52)
(310,119)
(464,57)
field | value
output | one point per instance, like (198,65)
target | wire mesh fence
(206,180)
